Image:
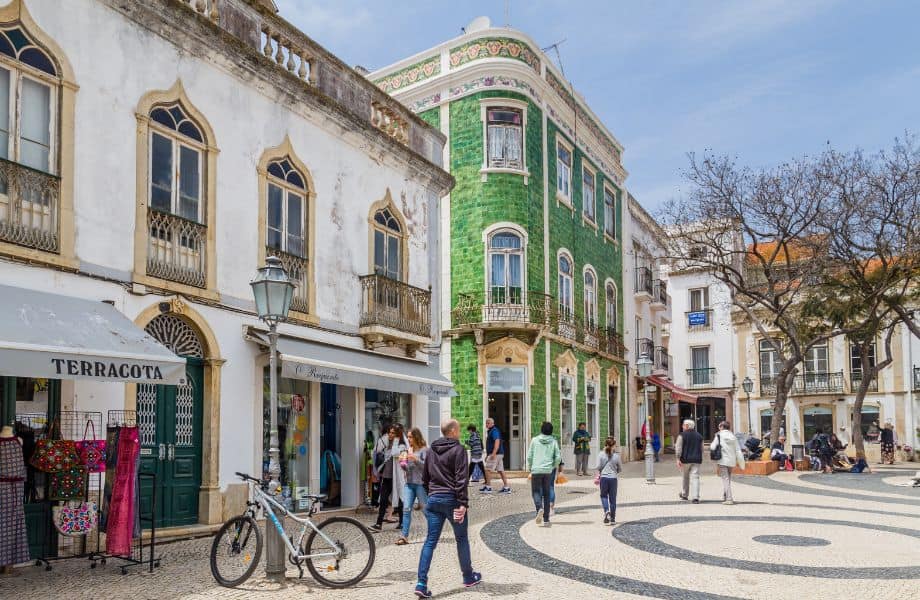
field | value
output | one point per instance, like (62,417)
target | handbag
(67,485)
(717,453)
(91,452)
(561,479)
(597,479)
(53,454)
(75,518)
(477,472)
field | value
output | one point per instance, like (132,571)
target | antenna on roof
(555,47)
(507,13)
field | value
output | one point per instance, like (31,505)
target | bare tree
(759,233)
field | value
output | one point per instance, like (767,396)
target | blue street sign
(696,318)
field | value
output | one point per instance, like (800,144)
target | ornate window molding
(37,170)
(171,252)
(565,267)
(589,294)
(611,304)
(301,266)
(386,222)
(175,333)
(506,267)
(487,106)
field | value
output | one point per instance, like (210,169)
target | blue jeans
(609,495)
(410,493)
(440,508)
(540,487)
(552,487)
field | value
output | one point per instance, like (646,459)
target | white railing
(29,206)
(208,8)
(287,54)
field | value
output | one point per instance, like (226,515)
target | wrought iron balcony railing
(503,305)
(645,346)
(394,304)
(660,292)
(613,342)
(699,320)
(298,270)
(176,249)
(807,384)
(662,359)
(29,207)
(644,281)
(698,378)
(856,380)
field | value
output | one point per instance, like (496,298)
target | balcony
(176,249)
(659,294)
(612,343)
(856,379)
(699,320)
(809,384)
(508,308)
(917,378)
(29,206)
(393,311)
(644,283)
(645,346)
(701,378)
(662,361)
(297,269)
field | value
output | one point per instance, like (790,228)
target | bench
(757,468)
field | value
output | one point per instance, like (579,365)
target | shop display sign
(506,379)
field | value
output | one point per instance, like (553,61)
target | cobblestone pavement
(789,535)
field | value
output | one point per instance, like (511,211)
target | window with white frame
(565,286)
(611,307)
(816,359)
(567,393)
(564,170)
(590,298)
(587,193)
(286,209)
(591,407)
(176,163)
(506,268)
(610,213)
(769,361)
(856,361)
(699,299)
(505,137)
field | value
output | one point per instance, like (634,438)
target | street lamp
(748,385)
(273,291)
(644,368)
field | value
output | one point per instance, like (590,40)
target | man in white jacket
(731,458)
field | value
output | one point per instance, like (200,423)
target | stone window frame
(286,150)
(608,236)
(562,198)
(387,203)
(16,14)
(590,320)
(608,284)
(484,105)
(589,220)
(593,376)
(562,252)
(567,368)
(145,129)
(487,234)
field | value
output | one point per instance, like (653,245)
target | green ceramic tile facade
(432,117)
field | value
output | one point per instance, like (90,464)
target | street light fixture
(273,291)
(644,368)
(748,385)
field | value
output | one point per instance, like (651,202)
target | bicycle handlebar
(246,477)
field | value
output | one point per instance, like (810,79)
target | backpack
(823,445)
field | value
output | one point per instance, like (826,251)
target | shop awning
(678,392)
(315,361)
(50,336)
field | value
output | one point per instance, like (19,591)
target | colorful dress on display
(121,518)
(111,459)
(14,544)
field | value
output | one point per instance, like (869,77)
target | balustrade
(29,207)
(176,249)
(297,269)
(396,305)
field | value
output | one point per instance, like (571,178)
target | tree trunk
(782,395)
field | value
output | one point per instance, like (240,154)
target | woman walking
(609,466)
(394,446)
(414,487)
(726,442)
(474,443)
(543,457)
(886,437)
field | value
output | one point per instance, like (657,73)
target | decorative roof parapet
(425,68)
(494,47)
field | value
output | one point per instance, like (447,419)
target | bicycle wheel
(236,550)
(351,563)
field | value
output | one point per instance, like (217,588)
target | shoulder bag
(717,453)
(75,518)
(91,452)
(52,454)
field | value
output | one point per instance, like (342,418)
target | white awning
(315,361)
(59,337)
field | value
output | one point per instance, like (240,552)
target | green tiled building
(532,252)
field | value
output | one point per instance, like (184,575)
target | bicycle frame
(266,503)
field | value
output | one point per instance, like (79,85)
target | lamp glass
(272,290)
(748,385)
(644,366)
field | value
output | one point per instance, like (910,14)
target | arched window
(388,250)
(566,306)
(506,260)
(590,298)
(176,166)
(285,221)
(611,307)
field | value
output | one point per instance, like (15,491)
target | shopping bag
(52,454)
(561,479)
(91,452)
(67,485)
(75,518)
(789,465)
(478,474)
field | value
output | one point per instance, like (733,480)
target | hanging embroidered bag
(67,485)
(52,454)
(75,518)
(92,452)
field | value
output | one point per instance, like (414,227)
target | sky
(762,81)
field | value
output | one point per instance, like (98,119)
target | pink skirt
(120,525)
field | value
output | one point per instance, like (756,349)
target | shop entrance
(817,418)
(330,467)
(709,413)
(505,410)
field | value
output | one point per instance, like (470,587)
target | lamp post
(273,291)
(748,385)
(644,368)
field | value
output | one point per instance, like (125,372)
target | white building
(153,154)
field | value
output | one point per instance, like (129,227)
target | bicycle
(332,546)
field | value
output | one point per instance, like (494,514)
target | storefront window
(293,435)
(818,419)
(383,409)
(870,415)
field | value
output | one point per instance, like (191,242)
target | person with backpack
(543,457)
(689,451)
(825,451)
(726,450)
(474,443)
(609,466)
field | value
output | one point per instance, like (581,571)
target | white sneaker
(539,518)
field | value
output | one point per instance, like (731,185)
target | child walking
(609,466)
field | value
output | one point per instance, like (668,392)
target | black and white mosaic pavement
(872,483)
(791,540)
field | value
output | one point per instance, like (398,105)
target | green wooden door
(169,417)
